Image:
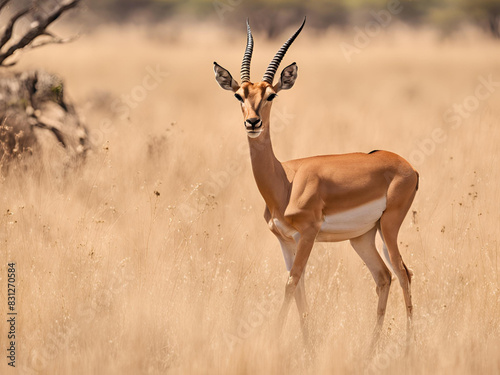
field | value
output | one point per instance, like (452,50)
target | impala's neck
(268,171)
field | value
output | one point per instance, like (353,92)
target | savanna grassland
(153,257)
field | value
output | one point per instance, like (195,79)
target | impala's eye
(237,96)
(271,97)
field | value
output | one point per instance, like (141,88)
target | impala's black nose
(253,123)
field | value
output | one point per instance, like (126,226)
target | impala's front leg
(304,247)
(289,249)
(300,300)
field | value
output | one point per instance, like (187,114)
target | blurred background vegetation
(273,15)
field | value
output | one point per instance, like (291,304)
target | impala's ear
(287,79)
(224,78)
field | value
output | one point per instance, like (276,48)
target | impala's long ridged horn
(275,63)
(247,57)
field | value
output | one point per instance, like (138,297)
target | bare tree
(37,28)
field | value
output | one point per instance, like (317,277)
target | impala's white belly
(352,223)
(343,225)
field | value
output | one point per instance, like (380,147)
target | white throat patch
(254,135)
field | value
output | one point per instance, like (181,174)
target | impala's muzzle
(253,127)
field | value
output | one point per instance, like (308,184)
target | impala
(324,198)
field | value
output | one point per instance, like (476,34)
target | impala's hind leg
(366,249)
(399,199)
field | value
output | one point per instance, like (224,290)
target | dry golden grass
(115,279)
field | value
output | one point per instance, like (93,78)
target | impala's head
(256,98)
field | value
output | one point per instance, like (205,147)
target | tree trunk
(32,106)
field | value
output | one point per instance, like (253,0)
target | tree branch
(37,29)
(54,40)
(59,135)
(3,3)
(7,34)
